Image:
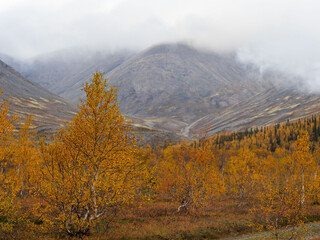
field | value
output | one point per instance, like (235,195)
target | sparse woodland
(95,181)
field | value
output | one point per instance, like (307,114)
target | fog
(274,33)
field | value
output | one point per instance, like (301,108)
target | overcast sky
(285,33)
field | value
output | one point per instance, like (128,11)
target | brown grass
(160,220)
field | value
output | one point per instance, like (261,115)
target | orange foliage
(92,168)
(189,176)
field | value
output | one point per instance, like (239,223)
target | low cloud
(279,33)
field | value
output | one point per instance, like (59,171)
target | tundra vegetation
(95,181)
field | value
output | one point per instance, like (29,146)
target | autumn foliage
(189,176)
(94,175)
(90,170)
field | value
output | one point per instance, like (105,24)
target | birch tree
(90,170)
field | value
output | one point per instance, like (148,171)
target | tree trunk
(303,190)
(185,203)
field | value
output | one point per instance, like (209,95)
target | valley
(159,120)
(240,125)
(168,87)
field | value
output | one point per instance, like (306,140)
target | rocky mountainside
(177,88)
(64,72)
(275,105)
(25,97)
(165,87)
(182,83)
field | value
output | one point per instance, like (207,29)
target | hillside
(165,87)
(26,97)
(182,83)
(271,106)
(64,72)
(178,88)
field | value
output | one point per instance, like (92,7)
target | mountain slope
(26,97)
(64,72)
(172,87)
(180,82)
(271,106)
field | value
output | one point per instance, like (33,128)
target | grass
(160,221)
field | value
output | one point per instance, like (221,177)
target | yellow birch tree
(8,177)
(91,168)
(242,175)
(190,176)
(286,184)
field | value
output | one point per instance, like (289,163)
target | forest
(95,180)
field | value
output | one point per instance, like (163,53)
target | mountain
(11,61)
(166,87)
(178,88)
(25,97)
(182,83)
(275,105)
(64,72)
